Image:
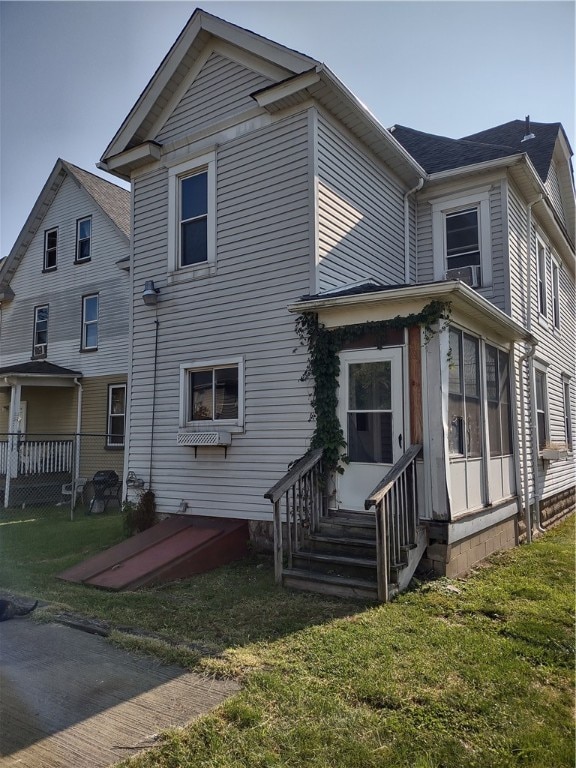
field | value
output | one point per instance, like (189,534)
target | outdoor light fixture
(150,294)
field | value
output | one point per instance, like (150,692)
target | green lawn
(456,674)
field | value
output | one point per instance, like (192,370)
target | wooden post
(415,384)
(277,543)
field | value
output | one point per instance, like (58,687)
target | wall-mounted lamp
(150,294)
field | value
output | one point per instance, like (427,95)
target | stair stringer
(414,556)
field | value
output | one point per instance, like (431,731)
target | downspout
(157,324)
(78,383)
(531,394)
(526,356)
(417,188)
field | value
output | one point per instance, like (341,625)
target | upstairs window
(83,239)
(90,310)
(461,239)
(192,216)
(116,416)
(541,265)
(50,249)
(40,341)
(555,294)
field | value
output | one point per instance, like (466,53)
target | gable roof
(298,77)
(440,153)
(113,200)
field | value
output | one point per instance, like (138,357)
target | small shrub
(139,516)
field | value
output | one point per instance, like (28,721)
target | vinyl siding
(262,223)
(556,348)
(63,289)
(360,214)
(221,90)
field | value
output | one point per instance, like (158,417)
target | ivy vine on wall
(323,366)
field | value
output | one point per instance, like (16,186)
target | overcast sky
(71,71)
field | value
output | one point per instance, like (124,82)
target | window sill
(193,272)
(38,357)
(86,350)
(49,269)
(82,261)
(211,426)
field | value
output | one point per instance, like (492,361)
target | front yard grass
(473,673)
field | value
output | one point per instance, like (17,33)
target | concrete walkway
(69,699)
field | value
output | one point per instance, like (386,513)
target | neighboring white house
(64,292)
(263,190)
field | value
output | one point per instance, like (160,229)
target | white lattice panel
(203,438)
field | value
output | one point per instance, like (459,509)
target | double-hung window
(50,249)
(192,203)
(83,239)
(541,267)
(116,416)
(541,388)
(498,401)
(212,394)
(461,239)
(40,342)
(555,294)
(464,398)
(90,311)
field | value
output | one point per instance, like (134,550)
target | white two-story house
(64,338)
(428,391)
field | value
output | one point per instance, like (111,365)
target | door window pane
(370,386)
(370,437)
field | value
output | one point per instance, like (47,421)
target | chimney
(528,133)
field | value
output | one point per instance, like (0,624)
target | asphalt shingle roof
(38,368)
(114,200)
(441,153)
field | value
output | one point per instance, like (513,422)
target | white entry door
(371,413)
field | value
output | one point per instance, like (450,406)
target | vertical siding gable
(552,185)
(221,90)
(360,212)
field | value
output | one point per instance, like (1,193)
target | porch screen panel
(455,397)
(370,412)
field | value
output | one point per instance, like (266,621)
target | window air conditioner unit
(469,275)
(203,438)
(40,350)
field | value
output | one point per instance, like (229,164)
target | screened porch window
(464,405)
(498,397)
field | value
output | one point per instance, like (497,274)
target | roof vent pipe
(528,133)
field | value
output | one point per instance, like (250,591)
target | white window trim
(229,425)
(446,205)
(85,322)
(198,164)
(542,278)
(543,369)
(46,233)
(36,343)
(79,221)
(110,414)
(555,308)
(567,410)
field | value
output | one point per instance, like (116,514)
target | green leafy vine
(323,366)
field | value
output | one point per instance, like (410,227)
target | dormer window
(83,239)
(50,249)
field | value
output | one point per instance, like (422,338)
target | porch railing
(300,499)
(37,456)
(396,502)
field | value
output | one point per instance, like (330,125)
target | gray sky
(71,71)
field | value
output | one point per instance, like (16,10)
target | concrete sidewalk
(69,699)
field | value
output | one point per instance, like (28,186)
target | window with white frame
(192,211)
(555,294)
(212,394)
(40,339)
(461,237)
(116,426)
(498,401)
(567,412)
(90,311)
(83,239)
(50,249)
(464,396)
(541,388)
(541,266)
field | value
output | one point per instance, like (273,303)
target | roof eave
(453,291)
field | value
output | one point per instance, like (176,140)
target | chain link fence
(51,472)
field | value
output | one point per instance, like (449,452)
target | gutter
(417,188)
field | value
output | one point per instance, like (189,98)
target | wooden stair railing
(302,495)
(396,502)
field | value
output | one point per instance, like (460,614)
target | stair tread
(339,540)
(327,578)
(336,559)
